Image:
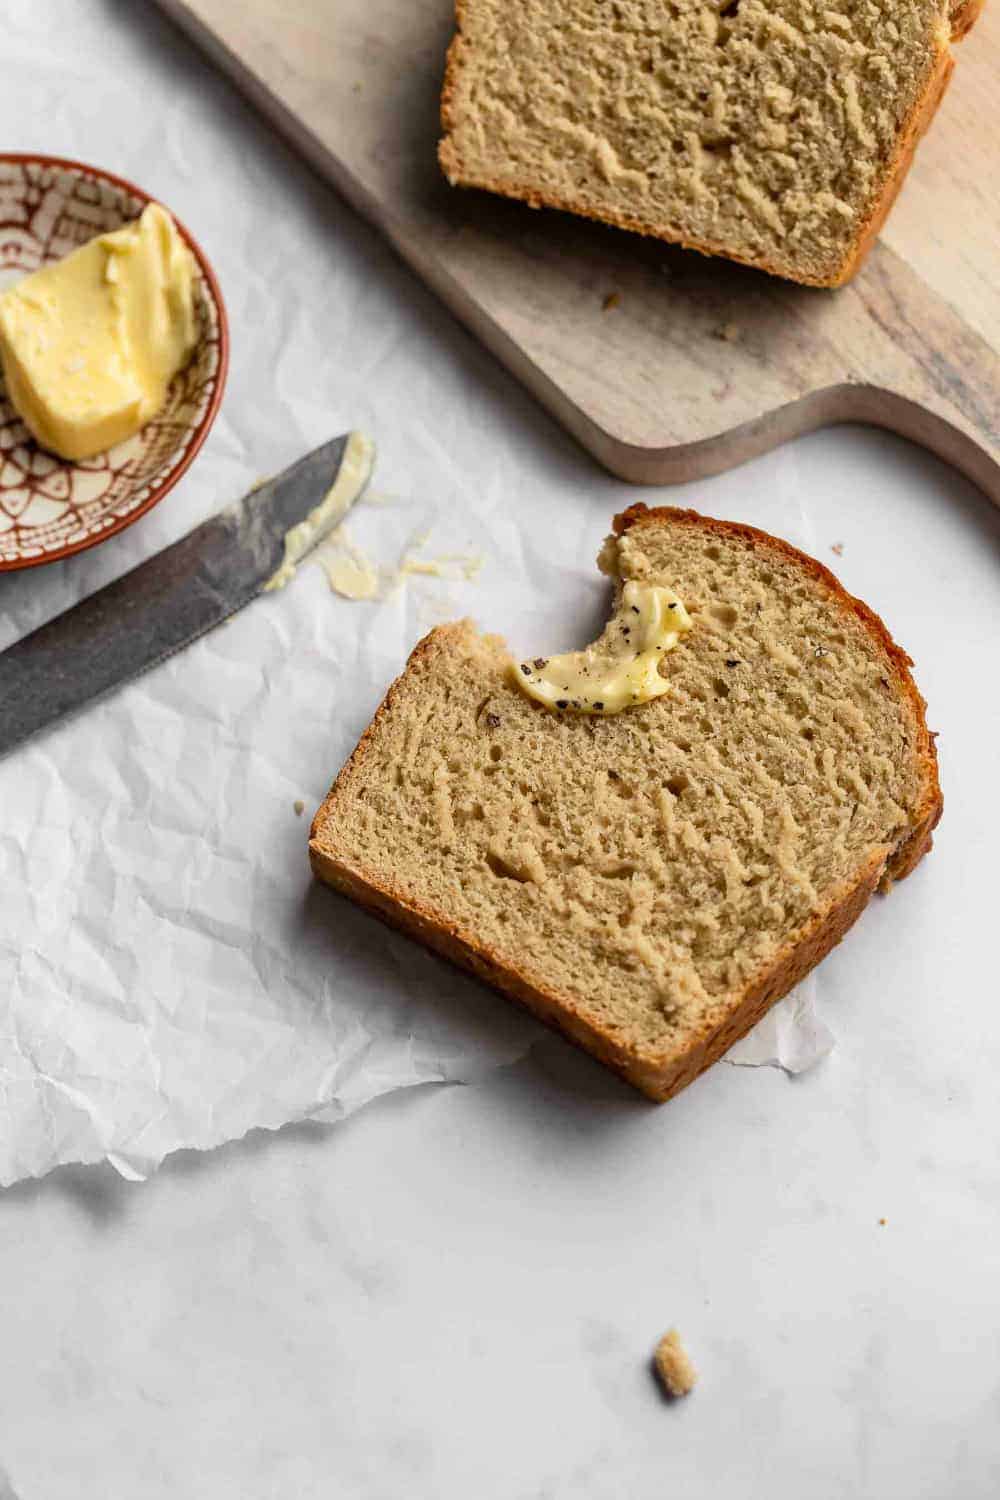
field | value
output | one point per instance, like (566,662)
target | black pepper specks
(562,703)
(541,663)
(525,669)
(732,661)
(635,608)
(599,705)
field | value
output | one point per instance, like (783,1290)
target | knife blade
(180,593)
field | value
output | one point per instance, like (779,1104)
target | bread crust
(964,15)
(924,109)
(658,1074)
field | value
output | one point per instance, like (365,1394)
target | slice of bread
(774,132)
(648,882)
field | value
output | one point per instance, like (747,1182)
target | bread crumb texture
(771,131)
(673,1365)
(646,873)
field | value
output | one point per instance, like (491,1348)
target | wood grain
(650,386)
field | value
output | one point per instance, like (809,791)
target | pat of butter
(623,667)
(90,344)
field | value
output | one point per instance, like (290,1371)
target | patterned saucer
(50,508)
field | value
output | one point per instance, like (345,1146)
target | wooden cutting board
(650,384)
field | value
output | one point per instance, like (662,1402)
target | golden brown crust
(451,942)
(916,129)
(659,1075)
(791,966)
(964,15)
(962,19)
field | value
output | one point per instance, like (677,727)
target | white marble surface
(455,1293)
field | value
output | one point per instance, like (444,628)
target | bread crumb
(673,1366)
(883,1221)
(299,806)
(730,332)
(611,301)
(838,549)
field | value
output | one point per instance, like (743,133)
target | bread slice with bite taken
(650,881)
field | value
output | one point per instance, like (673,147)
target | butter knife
(249,548)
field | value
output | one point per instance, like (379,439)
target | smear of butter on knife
(352,476)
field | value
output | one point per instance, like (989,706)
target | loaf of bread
(651,881)
(774,132)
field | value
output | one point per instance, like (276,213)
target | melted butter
(351,577)
(90,344)
(349,572)
(449,565)
(620,669)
